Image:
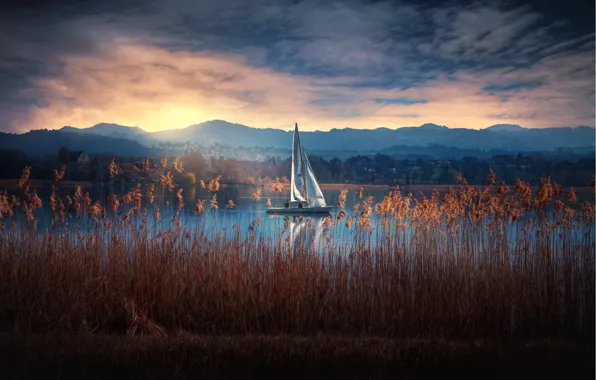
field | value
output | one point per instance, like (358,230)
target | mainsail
(304,186)
(297,190)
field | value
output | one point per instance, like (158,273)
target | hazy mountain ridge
(111,130)
(43,142)
(507,137)
(505,127)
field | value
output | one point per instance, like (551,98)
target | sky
(269,63)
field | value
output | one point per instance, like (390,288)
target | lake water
(249,212)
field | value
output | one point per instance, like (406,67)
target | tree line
(359,169)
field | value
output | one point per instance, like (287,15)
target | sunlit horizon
(359,65)
(301,126)
(156,89)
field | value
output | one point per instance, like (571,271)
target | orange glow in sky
(140,85)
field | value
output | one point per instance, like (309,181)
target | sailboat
(306,196)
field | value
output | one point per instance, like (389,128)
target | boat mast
(292,174)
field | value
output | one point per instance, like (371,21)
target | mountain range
(124,140)
(500,136)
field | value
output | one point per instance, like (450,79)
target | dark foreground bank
(100,356)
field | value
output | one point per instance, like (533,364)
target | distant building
(414,169)
(80,158)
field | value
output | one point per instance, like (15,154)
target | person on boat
(287,204)
(300,204)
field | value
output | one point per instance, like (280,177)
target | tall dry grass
(477,262)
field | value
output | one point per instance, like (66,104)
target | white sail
(297,183)
(315,196)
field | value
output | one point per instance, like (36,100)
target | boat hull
(297,210)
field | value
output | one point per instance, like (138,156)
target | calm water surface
(223,221)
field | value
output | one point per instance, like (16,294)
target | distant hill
(112,130)
(505,128)
(507,137)
(223,132)
(40,143)
(495,137)
(445,152)
(431,126)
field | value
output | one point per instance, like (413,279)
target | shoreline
(37,183)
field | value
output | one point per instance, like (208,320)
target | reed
(477,262)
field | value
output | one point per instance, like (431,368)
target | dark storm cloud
(35,38)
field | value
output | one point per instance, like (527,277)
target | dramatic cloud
(265,63)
